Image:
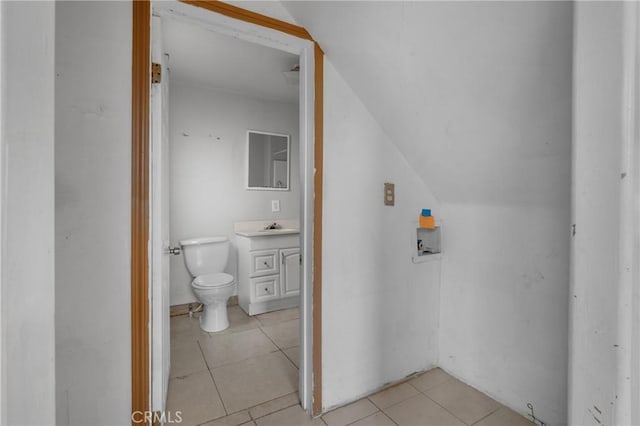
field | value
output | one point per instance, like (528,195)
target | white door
(290,271)
(159,225)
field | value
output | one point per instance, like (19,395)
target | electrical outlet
(275,205)
(389,194)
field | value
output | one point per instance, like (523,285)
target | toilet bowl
(205,259)
(213,290)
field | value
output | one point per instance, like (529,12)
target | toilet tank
(206,255)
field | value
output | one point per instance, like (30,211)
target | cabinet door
(290,271)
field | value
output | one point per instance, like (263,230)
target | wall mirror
(268,161)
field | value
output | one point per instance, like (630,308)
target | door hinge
(156,73)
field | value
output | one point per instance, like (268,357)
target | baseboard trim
(183,309)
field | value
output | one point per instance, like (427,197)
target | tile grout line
(481,419)
(444,408)
(279,349)
(273,412)
(381,410)
(291,361)
(406,381)
(237,361)
(213,380)
(400,402)
(189,373)
(373,414)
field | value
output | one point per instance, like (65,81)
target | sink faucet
(272,226)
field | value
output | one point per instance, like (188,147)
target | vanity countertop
(268,232)
(257,228)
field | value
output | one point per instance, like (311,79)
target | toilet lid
(213,280)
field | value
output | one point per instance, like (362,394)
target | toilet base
(215,317)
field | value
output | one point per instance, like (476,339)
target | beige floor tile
(255,380)
(223,349)
(249,423)
(393,395)
(429,379)
(184,329)
(292,416)
(293,354)
(278,316)
(462,401)
(186,358)
(182,323)
(421,411)
(239,418)
(195,396)
(274,405)
(238,321)
(284,334)
(504,417)
(377,419)
(350,413)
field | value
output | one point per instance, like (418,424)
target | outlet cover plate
(275,205)
(389,194)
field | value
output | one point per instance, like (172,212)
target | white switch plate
(275,205)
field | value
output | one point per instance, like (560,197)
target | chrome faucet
(272,226)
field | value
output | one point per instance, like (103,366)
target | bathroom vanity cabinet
(268,271)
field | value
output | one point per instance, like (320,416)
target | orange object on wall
(428,222)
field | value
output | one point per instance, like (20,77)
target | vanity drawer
(263,262)
(265,287)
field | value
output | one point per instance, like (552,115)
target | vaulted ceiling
(200,56)
(476,95)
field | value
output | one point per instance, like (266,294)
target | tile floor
(433,398)
(247,375)
(235,376)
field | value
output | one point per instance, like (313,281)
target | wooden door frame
(140,144)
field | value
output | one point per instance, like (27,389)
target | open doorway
(233,120)
(308,54)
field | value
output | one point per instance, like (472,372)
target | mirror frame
(269,188)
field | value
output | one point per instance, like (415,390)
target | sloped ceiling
(217,61)
(476,95)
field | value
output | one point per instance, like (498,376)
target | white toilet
(206,258)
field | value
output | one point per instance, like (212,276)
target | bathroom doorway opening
(249,27)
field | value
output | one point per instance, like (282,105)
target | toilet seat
(218,280)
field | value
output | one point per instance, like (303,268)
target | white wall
(604,373)
(208,149)
(380,311)
(93,209)
(477,98)
(27,199)
(505,277)
(504,303)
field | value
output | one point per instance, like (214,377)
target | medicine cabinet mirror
(268,161)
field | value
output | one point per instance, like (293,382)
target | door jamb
(141,43)
(140,91)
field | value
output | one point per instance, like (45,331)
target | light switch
(275,205)
(389,194)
